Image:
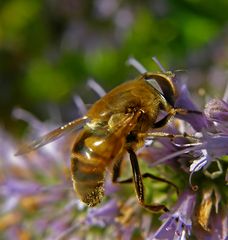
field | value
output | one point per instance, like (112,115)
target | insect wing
(52,136)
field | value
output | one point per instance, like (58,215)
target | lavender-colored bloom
(199,162)
(102,216)
(178,223)
(214,140)
(37,187)
(217,110)
(19,187)
(196,119)
(24,188)
(213,147)
(110,187)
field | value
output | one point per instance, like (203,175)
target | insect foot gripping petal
(88,182)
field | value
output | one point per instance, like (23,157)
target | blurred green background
(49,48)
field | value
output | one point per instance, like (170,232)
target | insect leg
(116,171)
(174,111)
(137,178)
(163,121)
(171,113)
(151,176)
(152,135)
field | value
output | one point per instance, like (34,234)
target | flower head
(177,223)
(103,216)
(36,189)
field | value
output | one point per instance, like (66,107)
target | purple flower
(37,187)
(177,224)
(217,110)
(212,148)
(110,187)
(196,119)
(214,139)
(104,215)
(19,187)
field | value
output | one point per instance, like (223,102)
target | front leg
(161,123)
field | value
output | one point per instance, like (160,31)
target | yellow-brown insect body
(116,124)
(93,151)
(131,107)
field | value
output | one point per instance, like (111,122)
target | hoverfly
(116,124)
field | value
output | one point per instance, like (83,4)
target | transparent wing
(52,136)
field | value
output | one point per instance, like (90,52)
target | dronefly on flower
(183,165)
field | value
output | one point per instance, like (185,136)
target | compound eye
(165,83)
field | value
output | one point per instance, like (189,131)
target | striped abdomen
(91,155)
